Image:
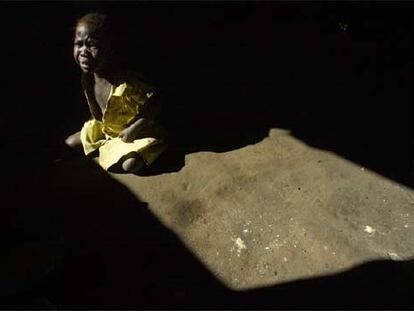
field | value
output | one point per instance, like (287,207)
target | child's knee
(73,141)
(133,165)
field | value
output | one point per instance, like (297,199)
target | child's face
(88,49)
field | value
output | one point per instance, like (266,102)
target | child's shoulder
(137,82)
(134,85)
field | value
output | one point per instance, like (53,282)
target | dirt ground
(280,210)
(272,224)
(288,182)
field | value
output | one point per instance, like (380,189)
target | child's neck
(106,76)
(99,79)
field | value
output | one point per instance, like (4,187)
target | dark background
(230,71)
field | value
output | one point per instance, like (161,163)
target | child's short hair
(100,24)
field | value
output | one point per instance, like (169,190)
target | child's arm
(132,131)
(144,119)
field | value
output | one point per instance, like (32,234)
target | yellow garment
(125,104)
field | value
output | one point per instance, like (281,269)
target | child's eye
(92,41)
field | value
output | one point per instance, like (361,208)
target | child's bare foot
(133,164)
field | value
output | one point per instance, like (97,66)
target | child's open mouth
(84,60)
(85,64)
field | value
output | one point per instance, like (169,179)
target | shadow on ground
(72,237)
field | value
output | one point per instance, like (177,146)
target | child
(123,127)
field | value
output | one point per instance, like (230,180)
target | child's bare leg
(133,164)
(74,141)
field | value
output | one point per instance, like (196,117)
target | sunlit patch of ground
(280,210)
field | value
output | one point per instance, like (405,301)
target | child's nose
(84,50)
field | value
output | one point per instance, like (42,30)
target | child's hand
(132,132)
(125,135)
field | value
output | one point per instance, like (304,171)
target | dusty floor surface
(279,211)
(276,224)
(291,182)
